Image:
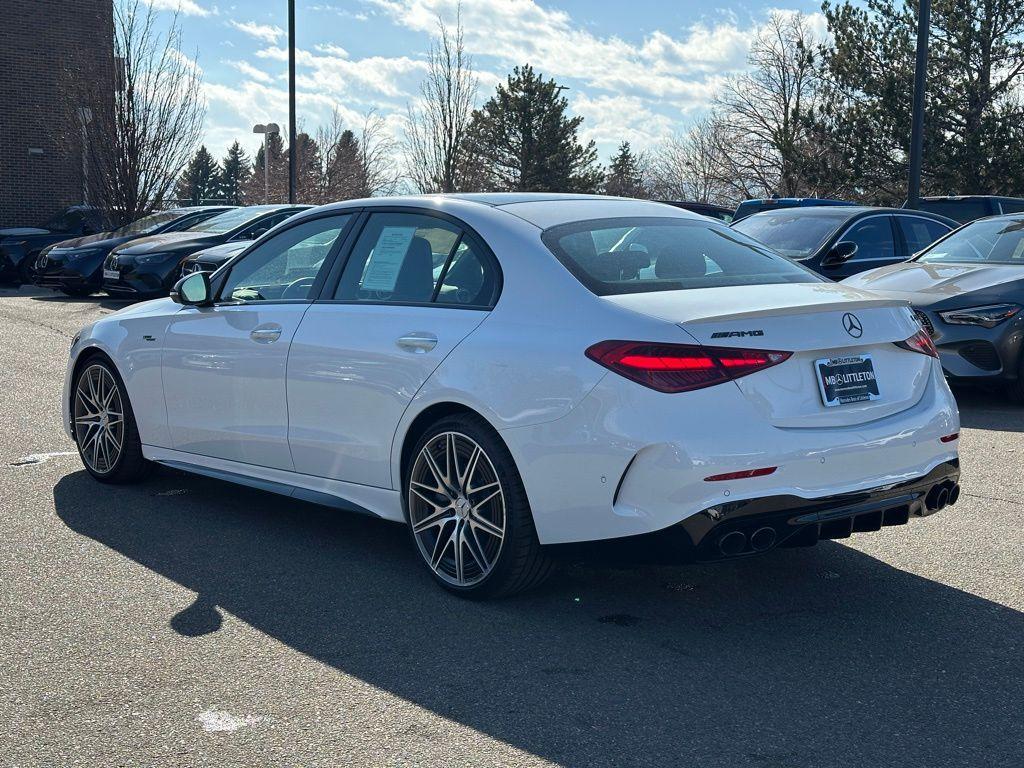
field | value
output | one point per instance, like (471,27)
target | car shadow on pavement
(988,409)
(815,657)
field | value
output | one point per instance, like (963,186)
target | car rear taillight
(680,367)
(919,342)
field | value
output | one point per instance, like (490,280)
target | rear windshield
(636,255)
(990,241)
(792,232)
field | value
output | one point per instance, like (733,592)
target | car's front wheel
(104,425)
(468,513)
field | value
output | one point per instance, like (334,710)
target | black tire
(25,269)
(521,562)
(129,466)
(1015,389)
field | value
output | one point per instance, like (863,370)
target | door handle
(417,342)
(265,334)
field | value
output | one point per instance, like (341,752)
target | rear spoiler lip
(809,309)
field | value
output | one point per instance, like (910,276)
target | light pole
(266,130)
(84,118)
(291,101)
(917,124)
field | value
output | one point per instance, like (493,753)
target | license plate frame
(856,382)
(111,274)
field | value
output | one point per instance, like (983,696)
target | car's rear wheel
(25,270)
(468,513)
(105,431)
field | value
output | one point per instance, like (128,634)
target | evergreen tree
(200,183)
(974,120)
(625,176)
(308,163)
(235,172)
(524,140)
(346,177)
(254,188)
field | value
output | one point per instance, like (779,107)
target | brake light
(919,342)
(680,367)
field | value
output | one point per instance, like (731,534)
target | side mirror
(192,290)
(840,252)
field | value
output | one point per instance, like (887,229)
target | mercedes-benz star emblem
(852,325)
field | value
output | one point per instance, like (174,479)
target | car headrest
(415,280)
(618,265)
(675,261)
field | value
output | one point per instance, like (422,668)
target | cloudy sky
(637,70)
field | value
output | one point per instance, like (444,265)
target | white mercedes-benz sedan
(509,372)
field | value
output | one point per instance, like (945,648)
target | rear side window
(635,255)
(408,258)
(1012,206)
(919,233)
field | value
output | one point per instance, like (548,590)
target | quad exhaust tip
(762,539)
(941,496)
(733,543)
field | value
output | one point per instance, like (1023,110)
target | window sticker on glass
(386,258)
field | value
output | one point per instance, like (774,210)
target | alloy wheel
(457,509)
(99,419)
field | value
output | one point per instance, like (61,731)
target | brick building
(47,48)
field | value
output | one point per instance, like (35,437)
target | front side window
(632,255)
(919,232)
(873,237)
(401,258)
(285,266)
(992,241)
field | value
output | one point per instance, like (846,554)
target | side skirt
(351,497)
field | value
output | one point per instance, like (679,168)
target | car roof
(533,207)
(971,197)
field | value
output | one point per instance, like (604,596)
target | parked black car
(19,246)
(211,259)
(750,207)
(967,291)
(704,209)
(840,241)
(965,208)
(75,267)
(149,267)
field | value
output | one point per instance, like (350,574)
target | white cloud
(268,33)
(185,7)
(251,72)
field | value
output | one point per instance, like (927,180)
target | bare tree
(138,147)
(435,130)
(691,167)
(764,112)
(378,150)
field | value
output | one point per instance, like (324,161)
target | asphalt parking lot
(186,622)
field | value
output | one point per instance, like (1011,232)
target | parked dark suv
(149,267)
(75,267)
(19,246)
(704,209)
(841,241)
(965,208)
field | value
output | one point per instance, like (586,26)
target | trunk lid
(813,321)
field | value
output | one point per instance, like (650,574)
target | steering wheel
(295,286)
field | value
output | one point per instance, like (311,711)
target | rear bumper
(629,461)
(754,526)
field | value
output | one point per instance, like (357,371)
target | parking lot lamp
(266,130)
(917,124)
(291,101)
